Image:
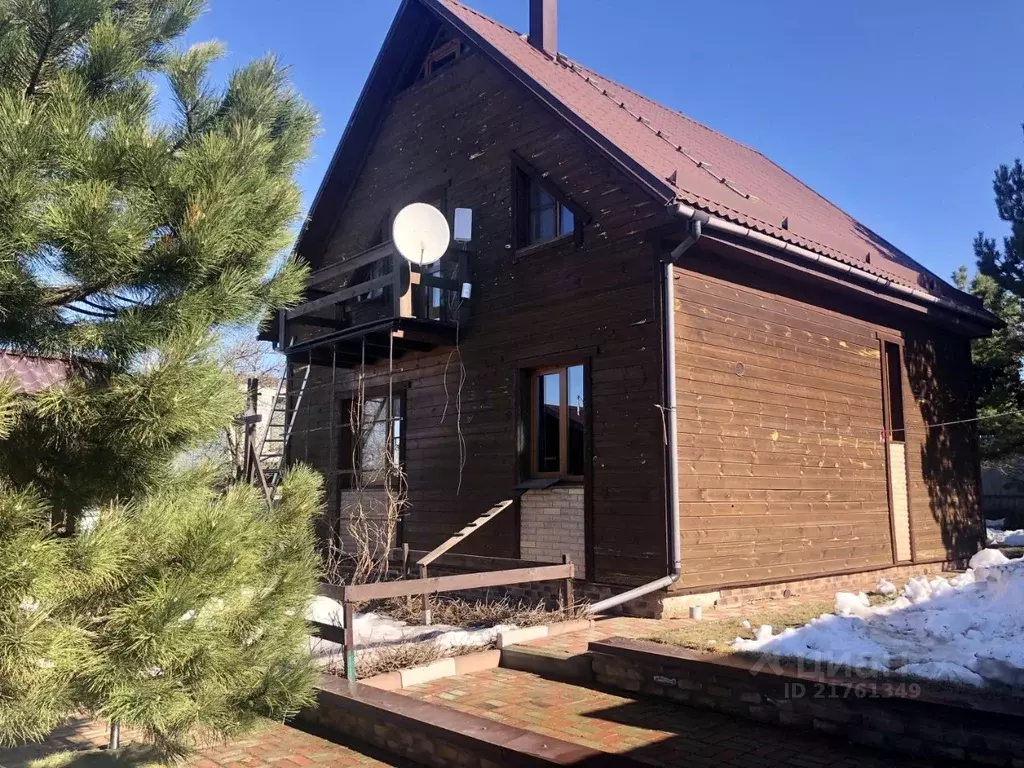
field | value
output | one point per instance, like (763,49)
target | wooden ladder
(273,448)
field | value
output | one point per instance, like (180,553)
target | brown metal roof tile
(712,172)
(31,374)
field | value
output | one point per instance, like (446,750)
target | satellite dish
(421,233)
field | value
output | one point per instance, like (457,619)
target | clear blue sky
(896,110)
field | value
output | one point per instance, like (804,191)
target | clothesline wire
(976,418)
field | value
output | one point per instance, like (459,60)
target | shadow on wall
(938,372)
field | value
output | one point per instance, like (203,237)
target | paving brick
(655,732)
(274,746)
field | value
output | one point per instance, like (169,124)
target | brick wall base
(551,522)
(913,718)
(432,735)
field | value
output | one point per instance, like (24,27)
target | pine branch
(79,310)
(33,81)
(71,295)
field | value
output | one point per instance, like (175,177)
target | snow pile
(997,537)
(372,630)
(967,629)
(885,587)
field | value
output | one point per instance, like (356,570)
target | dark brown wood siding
(599,303)
(781,451)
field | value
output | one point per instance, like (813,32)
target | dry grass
(132,756)
(379,660)
(714,635)
(446,611)
(477,614)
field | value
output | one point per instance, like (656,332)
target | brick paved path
(658,733)
(275,746)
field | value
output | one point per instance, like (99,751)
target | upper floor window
(894,391)
(378,268)
(558,414)
(541,214)
(549,218)
(444,51)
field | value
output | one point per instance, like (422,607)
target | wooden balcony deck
(372,305)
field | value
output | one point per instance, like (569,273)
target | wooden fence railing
(350,595)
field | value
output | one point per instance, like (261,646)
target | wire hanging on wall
(456,307)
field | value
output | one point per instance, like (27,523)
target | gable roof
(677,159)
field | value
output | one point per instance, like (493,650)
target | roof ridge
(855,243)
(659,104)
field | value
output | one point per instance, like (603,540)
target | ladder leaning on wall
(272,451)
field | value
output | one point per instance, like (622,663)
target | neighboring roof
(674,157)
(31,374)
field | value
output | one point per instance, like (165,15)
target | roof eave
(978,315)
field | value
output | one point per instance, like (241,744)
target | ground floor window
(372,437)
(558,422)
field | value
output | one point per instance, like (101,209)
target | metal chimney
(544,26)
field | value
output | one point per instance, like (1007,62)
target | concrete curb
(459,665)
(526,634)
(473,662)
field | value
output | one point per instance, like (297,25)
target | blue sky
(897,111)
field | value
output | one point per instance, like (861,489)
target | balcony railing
(378,293)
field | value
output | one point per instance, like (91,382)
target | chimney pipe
(544,26)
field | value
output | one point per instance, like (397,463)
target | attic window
(542,214)
(446,50)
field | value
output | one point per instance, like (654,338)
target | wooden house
(695,375)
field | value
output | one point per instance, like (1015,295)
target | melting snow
(966,629)
(885,587)
(997,537)
(373,630)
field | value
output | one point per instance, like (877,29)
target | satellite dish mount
(421,234)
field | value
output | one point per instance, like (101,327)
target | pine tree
(997,369)
(1006,266)
(1001,286)
(127,243)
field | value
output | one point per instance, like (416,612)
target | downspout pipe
(834,265)
(671,428)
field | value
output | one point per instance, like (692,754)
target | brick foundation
(374,514)
(437,736)
(890,713)
(552,525)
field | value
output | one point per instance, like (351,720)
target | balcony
(374,305)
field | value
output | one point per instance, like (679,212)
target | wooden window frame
(345,466)
(439,51)
(525,176)
(534,376)
(379,268)
(883,341)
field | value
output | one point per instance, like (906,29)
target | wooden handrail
(357,593)
(476,525)
(349,595)
(338,296)
(351,264)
